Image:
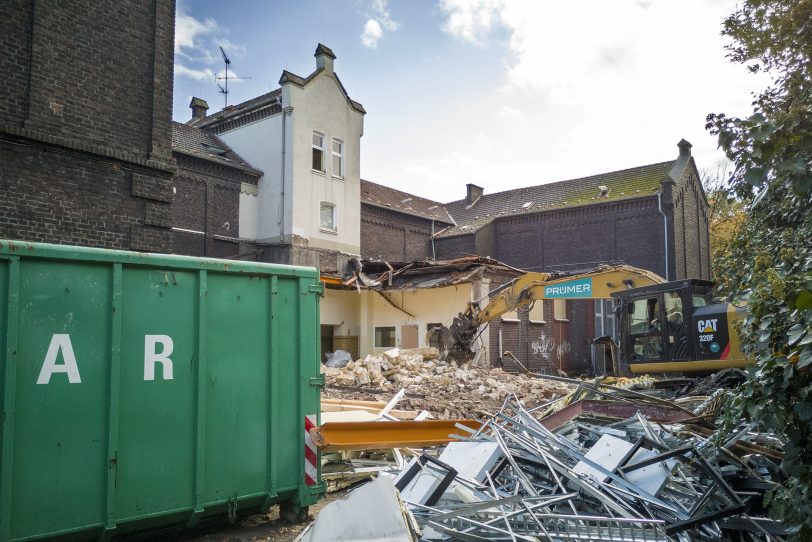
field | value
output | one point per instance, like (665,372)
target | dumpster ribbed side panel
(156,428)
(150,390)
(62,384)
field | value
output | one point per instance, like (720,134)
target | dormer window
(318,152)
(212,149)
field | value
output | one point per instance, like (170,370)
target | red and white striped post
(311,465)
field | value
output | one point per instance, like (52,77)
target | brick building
(397,226)
(653,216)
(210,181)
(85,130)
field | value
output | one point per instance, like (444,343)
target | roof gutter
(665,230)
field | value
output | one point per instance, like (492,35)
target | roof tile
(207,146)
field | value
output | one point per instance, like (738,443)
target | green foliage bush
(769,263)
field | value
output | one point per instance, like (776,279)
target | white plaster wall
(428,306)
(342,309)
(321,106)
(260,144)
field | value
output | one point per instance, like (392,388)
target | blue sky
(501,93)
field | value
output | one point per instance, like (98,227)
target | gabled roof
(397,200)
(624,184)
(299,81)
(202,144)
(265,100)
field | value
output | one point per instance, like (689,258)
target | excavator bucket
(454,342)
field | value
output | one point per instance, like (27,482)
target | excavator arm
(521,292)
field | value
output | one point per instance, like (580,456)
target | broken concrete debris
(620,468)
(447,390)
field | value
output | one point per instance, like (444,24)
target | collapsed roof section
(385,276)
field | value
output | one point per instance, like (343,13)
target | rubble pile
(447,390)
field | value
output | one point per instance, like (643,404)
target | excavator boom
(520,293)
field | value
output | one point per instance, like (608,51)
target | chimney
(473,193)
(324,58)
(684,148)
(199,108)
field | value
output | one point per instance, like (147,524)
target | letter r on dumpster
(151,356)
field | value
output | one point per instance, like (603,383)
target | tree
(770,261)
(726,215)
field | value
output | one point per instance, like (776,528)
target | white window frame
(333,206)
(316,147)
(340,155)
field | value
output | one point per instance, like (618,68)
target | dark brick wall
(80,200)
(455,247)
(540,347)
(85,133)
(580,238)
(394,236)
(207,205)
(690,209)
(94,74)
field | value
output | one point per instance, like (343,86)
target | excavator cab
(657,324)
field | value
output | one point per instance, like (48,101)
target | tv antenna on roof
(225,78)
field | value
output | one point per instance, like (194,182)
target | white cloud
(197,42)
(204,74)
(378,20)
(231,48)
(232,77)
(568,89)
(372,33)
(189,31)
(471,20)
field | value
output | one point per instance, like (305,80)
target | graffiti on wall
(545,345)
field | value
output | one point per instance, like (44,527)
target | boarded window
(512,316)
(560,309)
(327,216)
(408,336)
(537,312)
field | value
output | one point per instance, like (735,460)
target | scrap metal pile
(602,464)
(585,475)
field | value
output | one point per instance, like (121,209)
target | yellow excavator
(664,326)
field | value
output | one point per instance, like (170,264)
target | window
(537,312)
(605,319)
(327,216)
(673,311)
(559,309)
(512,316)
(318,152)
(644,326)
(338,158)
(384,337)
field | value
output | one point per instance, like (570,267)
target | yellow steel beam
(375,435)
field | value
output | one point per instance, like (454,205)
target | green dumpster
(145,390)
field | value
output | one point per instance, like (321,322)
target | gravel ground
(257,528)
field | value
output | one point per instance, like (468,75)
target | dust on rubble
(447,390)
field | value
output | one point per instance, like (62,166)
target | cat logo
(707,326)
